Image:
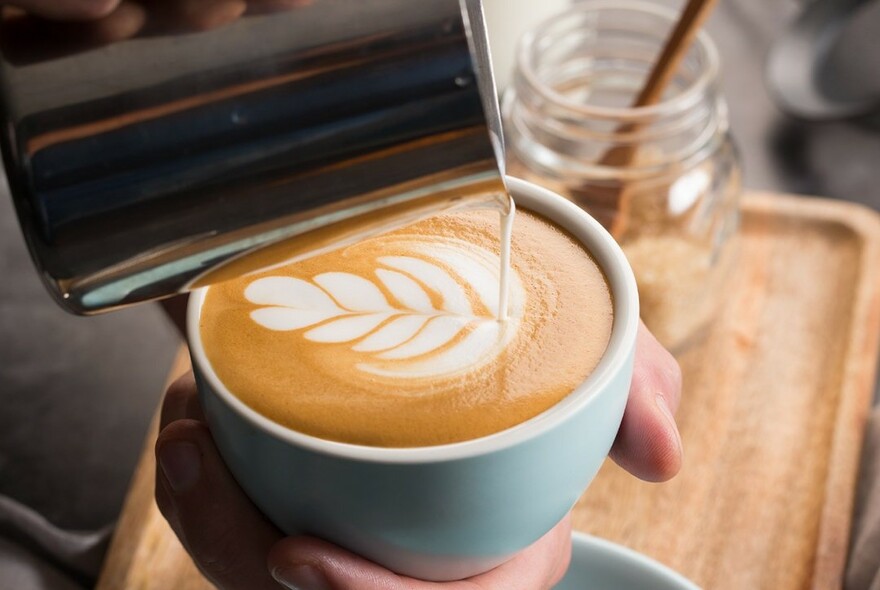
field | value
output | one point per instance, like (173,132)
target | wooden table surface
(772,419)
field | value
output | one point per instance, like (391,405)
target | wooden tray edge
(860,373)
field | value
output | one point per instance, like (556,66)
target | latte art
(411,317)
(396,340)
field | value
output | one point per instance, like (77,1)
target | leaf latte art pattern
(414,317)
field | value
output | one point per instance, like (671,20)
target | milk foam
(405,336)
(395,341)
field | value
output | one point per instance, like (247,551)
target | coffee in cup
(437,511)
(396,341)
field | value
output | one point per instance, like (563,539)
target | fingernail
(663,405)
(181,462)
(301,577)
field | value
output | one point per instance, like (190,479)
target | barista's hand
(648,444)
(46,29)
(237,548)
(191,14)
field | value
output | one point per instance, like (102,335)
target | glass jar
(664,179)
(506,22)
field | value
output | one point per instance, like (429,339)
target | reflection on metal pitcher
(141,165)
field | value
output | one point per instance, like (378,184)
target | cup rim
(624,296)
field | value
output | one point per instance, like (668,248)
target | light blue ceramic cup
(443,512)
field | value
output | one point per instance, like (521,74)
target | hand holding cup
(236,548)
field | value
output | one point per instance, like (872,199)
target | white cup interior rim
(623,335)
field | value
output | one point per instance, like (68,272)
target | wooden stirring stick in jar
(692,18)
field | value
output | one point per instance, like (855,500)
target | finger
(226,535)
(540,566)
(181,401)
(27,39)
(280,4)
(195,15)
(648,444)
(269,6)
(306,563)
(68,9)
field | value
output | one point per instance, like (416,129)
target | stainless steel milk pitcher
(140,168)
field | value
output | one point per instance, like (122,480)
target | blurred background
(77,393)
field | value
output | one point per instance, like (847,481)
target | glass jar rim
(680,102)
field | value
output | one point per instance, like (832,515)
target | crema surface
(395,341)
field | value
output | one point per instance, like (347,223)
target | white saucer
(597,564)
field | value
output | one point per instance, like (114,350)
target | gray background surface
(77,393)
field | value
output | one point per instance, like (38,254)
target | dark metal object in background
(163,157)
(796,62)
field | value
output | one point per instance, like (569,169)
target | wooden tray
(772,418)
